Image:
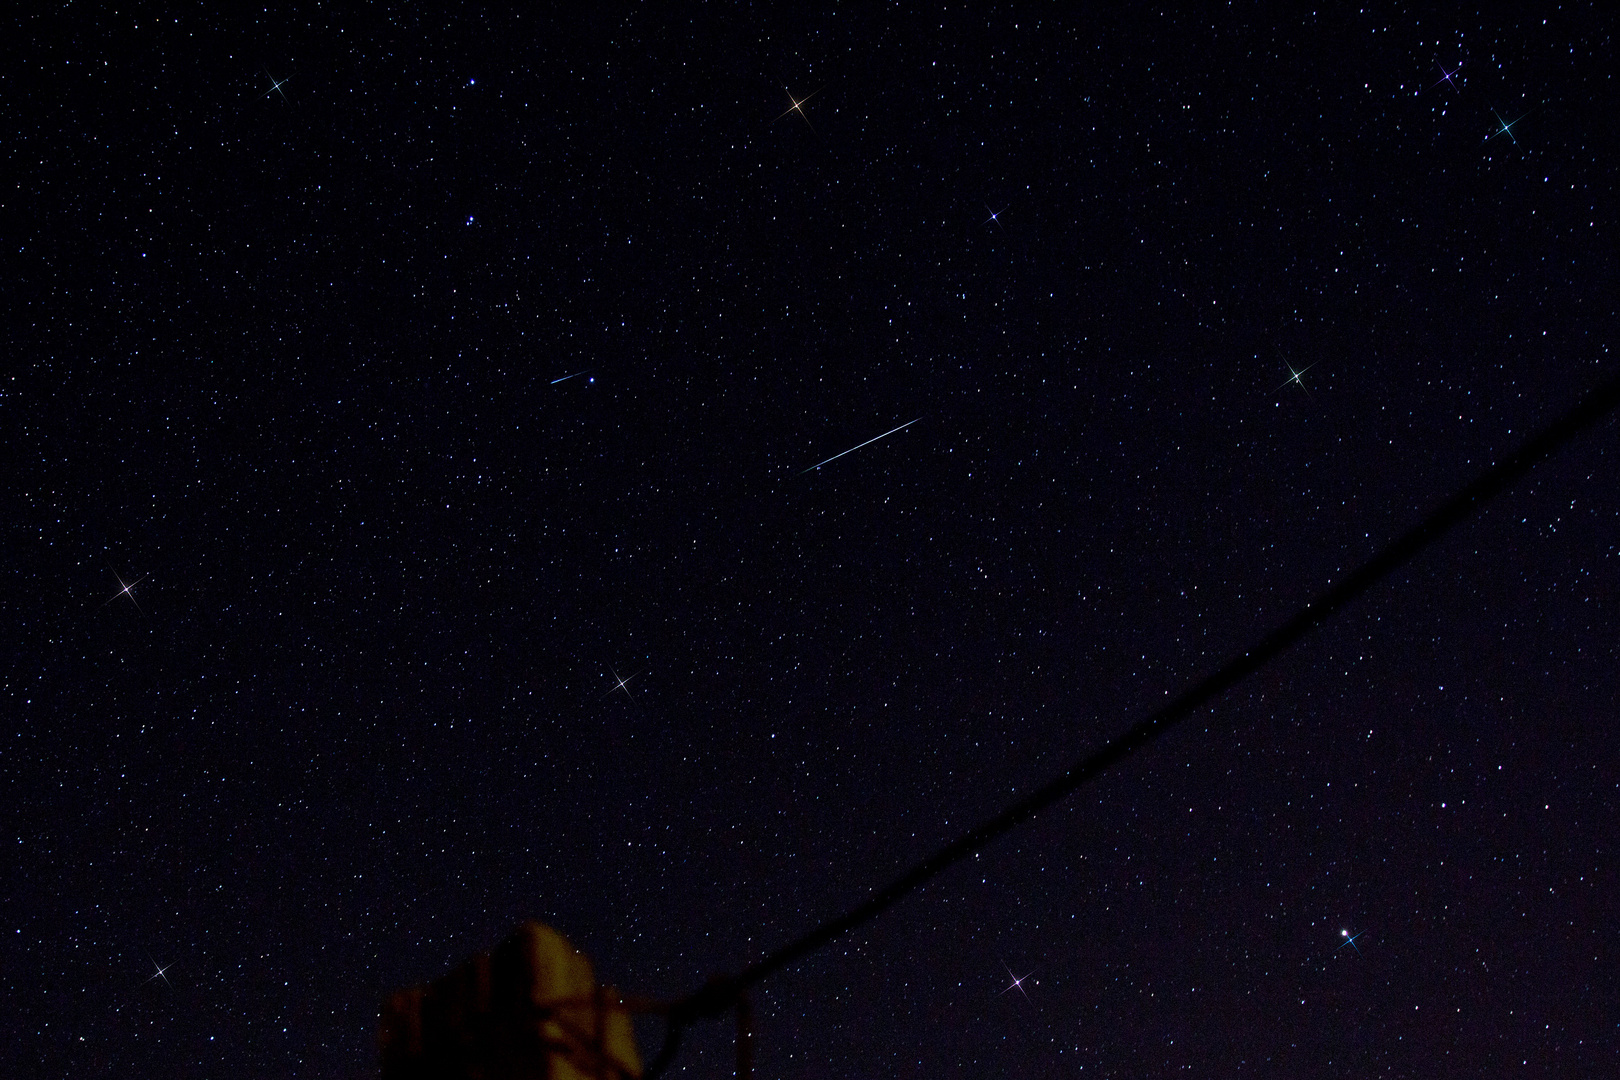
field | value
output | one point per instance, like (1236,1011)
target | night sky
(446,389)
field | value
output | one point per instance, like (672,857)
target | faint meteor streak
(565,378)
(868,442)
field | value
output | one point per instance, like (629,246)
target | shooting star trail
(868,442)
(565,378)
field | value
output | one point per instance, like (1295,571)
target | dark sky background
(292,361)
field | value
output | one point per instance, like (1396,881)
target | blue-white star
(1017,983)
(127,590)
(1505,127)
(621,684)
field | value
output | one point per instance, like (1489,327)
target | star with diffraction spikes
(1017,983)
(621,684)
(1447,77)
(797,105)
(161,973)
(1505,127)
(1295,377)
(276,86)
(126,590)
(1350,940)
(161,970)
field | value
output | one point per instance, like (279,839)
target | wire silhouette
(725,992)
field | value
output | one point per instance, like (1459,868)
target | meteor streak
(852,449)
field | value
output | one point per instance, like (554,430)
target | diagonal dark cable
(722,993)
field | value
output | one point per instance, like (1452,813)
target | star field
(420,518)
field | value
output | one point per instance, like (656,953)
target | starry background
(295,362)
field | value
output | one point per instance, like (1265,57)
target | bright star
(276,86)
(161,968)
(1505,127)
(1350,940)
(994,218)
(160,973)
(1294,377)
(621,684)
(1446,76)
(1017,983)
(797,105)
(127,590)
